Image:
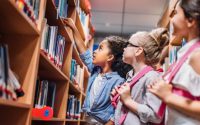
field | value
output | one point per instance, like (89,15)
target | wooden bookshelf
(47,70)
(53,119)
(79,26)
(29,62)
(13,104)
(13,22)
(69,120)
(36,122)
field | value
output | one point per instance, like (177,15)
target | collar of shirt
(109,75)
(183,50)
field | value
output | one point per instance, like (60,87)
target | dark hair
(117,45)
(191,10)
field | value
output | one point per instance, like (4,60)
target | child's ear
(139,51)
(191,23)
(110,57)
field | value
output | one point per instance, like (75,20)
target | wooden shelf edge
(84,95)
(9,103)
(72,120)
(81,31)
(86,72)
(28,19)
(83,120)
(59,21)
(22,17)
(75,89)
(53,119)
(77,57)
(72,3)
(80,27)
(56,69)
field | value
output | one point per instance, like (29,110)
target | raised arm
(77,37)
(85,53)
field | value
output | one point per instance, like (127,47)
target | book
(73,108)
(62,7)
(10,87)
(53,44)
(76,73)
(45,94)
(30,8)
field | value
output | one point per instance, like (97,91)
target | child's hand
(124,92)
(114,91)
(161,89)
(69,22)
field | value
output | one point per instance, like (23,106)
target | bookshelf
(24,38)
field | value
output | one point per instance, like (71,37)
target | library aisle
(43,79)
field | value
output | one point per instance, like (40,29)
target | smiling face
(179,22)
(102,54)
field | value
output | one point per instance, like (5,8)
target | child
(137,106)
(107,70)
(182,96)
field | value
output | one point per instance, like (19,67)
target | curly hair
(117,45)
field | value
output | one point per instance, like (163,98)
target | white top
(187,79)
(95,87)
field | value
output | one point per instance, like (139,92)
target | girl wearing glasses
(136,104)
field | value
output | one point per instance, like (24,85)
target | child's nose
(94,52)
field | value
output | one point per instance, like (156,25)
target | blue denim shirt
(101,110)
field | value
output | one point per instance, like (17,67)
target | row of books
(76,73)
(83,17)
(45,94)
(30,8)
(73,108)
(62,7)
(85,21)
(10,87)
(53,44)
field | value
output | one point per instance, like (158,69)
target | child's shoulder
(152,75)
(194,61)
(116,79)
(116,76)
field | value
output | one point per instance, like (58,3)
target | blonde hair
(152,42)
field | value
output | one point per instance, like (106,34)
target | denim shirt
(101,110)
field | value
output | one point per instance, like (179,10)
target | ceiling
(125,16)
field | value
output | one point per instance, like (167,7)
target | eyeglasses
(130,44)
